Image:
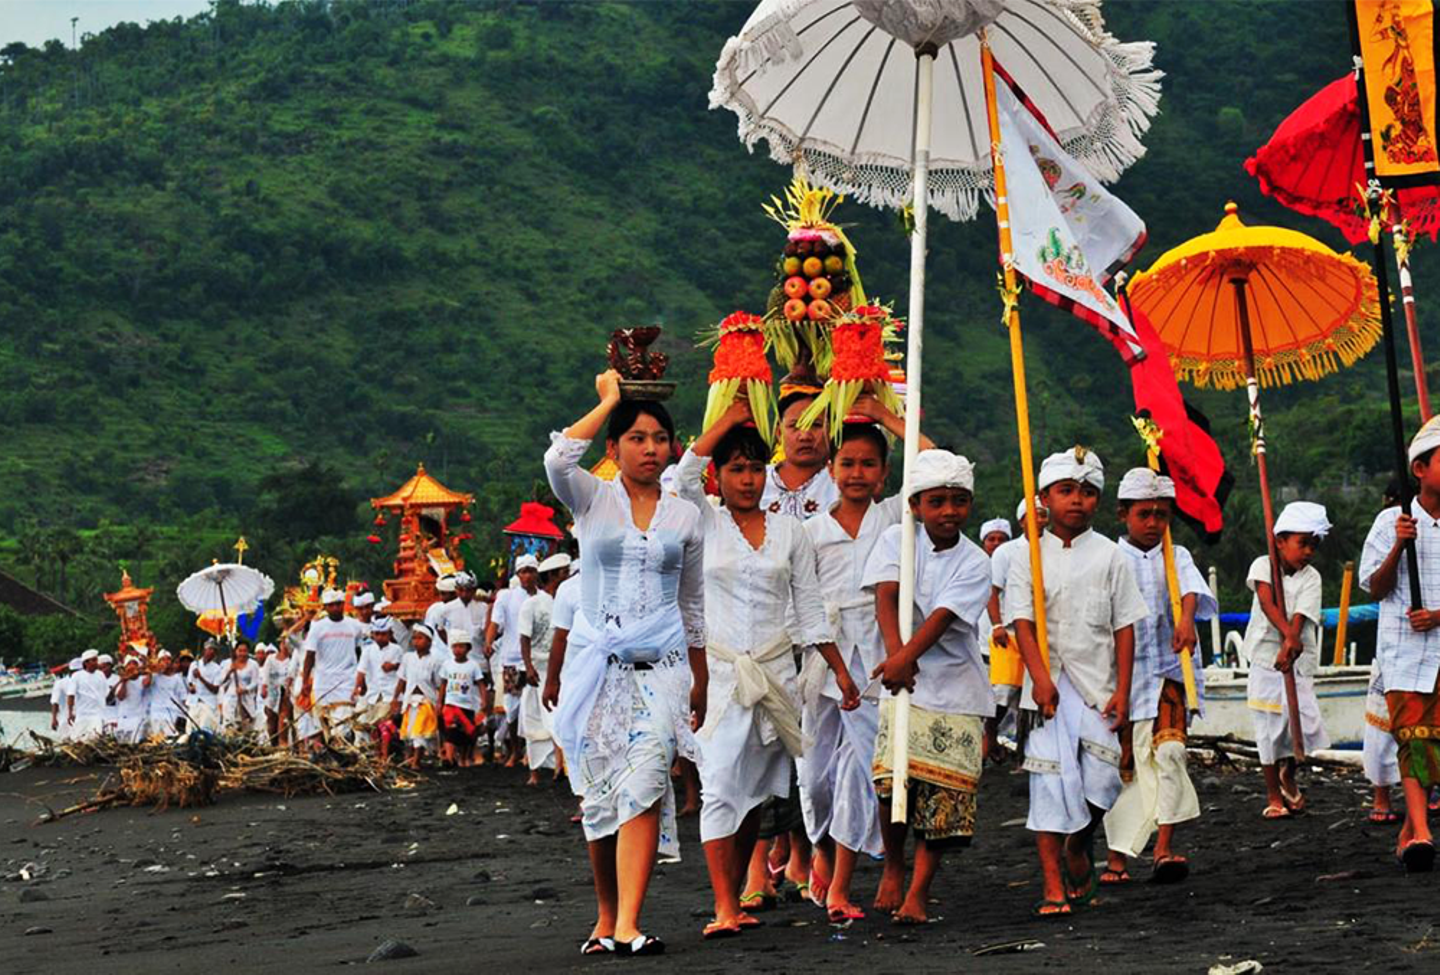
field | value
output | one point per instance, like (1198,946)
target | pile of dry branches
(197,770)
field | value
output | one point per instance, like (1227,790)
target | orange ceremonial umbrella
(1259,306)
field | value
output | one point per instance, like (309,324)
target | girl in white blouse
(628,701)
(759,565)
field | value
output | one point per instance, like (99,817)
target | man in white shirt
(112,679)
(536,636)
(132,701)
(204,677)
(60,700)
(469,613)
(503,636)
(435,615)
(332,650)
(87,698)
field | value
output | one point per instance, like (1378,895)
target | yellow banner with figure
(1396,39)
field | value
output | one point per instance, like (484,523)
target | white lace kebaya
(624,707)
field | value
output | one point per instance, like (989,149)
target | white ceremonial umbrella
(827,85)
(220,586)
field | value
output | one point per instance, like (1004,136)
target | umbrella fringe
(1106,144)
(1341,349)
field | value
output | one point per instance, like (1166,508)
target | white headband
(1075,464)
(937,468)
(1303,517)
(1143,484)
(995,525)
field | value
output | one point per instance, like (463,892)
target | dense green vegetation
(356,235)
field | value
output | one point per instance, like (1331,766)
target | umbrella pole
(914,346)
(1017,355)
(1277,575)
(1392,381)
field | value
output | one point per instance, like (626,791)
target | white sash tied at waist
(588,654)
(757,687)
(815,670)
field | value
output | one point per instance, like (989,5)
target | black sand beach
(502,884)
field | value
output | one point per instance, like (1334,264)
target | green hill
(361,235)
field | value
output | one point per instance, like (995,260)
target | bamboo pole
(1343,623)
(1017,354)
(1257,427)
(1172,583)
(915,328)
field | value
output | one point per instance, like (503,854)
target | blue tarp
(1368,613)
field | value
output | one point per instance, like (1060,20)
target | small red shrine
(429,542)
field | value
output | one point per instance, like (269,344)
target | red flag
(1188,454)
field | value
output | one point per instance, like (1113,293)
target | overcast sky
(37,21)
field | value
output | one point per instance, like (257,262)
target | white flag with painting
(1069,233)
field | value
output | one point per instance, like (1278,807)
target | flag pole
(914,346)
(1407,298)
(1343,621)
(1017,351)
(1374,199)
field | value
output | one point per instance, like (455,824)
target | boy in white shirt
(1083,697)
(204,677)
(1276,643)
(1159,794)
(941,665)
(461,701)
(417,691)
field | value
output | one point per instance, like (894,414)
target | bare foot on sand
(892,888)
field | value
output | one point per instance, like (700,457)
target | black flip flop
(598,946)
(642,945)
(1418,856)
(1171,870)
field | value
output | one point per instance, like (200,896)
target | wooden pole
(1017,354)
(1343,623)
(1217,648)
(1172,583)
(1257,426)
(1412,326)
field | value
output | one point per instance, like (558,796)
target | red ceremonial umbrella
(1314,164)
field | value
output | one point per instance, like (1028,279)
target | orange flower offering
(859,365)
(741,351)
(740,361)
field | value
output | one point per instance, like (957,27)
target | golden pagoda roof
(128,591)
(606,469)
(423,491)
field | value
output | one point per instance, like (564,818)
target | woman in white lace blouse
(761,596)
(635,680)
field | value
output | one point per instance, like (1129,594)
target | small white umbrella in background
(827,84)
(216,588)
